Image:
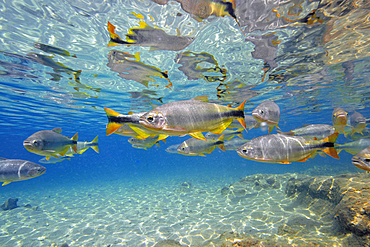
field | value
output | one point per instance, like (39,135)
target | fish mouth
(258,117)
(360,164)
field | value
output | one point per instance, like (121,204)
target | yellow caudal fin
(198,135)
(332,138)
(113,35)
(95,148)
(95,140)
(6,182)
(331,152)
(241,120)
(112,127)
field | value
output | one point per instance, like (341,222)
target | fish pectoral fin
(47,157)
(271,127)
(139,131)
(331,152)
(6,182)
(198,135)
(112,127)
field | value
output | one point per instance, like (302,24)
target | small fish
(83,146)
(129,67)
(235,143)
(50,143)
(358,122)
(148,36)
(353,147)
(145,143)
(267,112)
(12,170)
(362,159)
(191,117)
(128,125)
(280,148)
(53,160)
(195,146)
(314,131)
(228,133)
(339,117)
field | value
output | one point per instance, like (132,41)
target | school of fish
(209,125)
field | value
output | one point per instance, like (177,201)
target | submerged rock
(9,204)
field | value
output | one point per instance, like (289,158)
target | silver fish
(18,170)
(362,159)
(358,122)
(280,148)
(315,131)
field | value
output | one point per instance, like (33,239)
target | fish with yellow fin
(50,143)
(148,36)
(192,117)
(339,117)
(194,147)
(280,148)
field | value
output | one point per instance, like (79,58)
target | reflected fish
(339,117)
(196,147)
(129,67)
(280,148)
(314,131)
(52,49)
(12,170)
(50,143)
(358,122)
(148,36)
(192,117)
(353,147)
(362,159)
(267,112)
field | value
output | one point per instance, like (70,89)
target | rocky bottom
(258,210)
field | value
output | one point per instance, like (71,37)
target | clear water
(307,66)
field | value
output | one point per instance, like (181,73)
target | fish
(128,125)
(52,50)
(314,131)
(50,143)
(192,117)
(250,123)
(196,147)
(12,170)
(234,143)
(339,117)
(193,66)
(53,160)
(148,36)
(353,147)
(173,148)
(267,112)
(362,159)
(358,122)
(145,143)
(228,133)
(280,148)
(129,67)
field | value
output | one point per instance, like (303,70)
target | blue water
(311,69)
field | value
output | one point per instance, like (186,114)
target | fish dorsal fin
(57,130)
(203,98)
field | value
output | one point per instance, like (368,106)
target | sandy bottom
(128,213)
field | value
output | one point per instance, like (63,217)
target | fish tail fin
(95,140)
(114,38)
(75,137)
(112,127)
(95,148)
(331,152)
(241,120)
(240,135)
(332,138)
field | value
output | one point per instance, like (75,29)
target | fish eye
(150,119)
